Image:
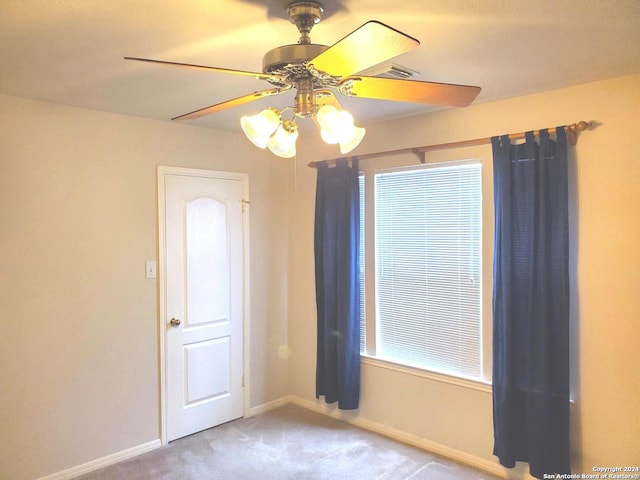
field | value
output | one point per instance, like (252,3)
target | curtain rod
(572,136)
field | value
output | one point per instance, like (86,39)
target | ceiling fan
(315,71)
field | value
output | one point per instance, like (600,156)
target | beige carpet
(287,443)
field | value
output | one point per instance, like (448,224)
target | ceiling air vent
(390,70)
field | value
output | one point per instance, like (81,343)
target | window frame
(368,170)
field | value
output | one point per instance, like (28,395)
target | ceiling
(71,51)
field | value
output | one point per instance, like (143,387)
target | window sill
(479,385)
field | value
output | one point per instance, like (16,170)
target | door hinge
(244,203)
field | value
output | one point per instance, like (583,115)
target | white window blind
(428,268)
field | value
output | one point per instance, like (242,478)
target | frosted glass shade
(348,145)
(283,141)
(336,125)
(260,127)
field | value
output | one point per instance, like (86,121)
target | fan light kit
(315,71)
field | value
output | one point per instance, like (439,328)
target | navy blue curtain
(531,303)
(337,226)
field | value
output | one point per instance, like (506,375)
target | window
(426,247)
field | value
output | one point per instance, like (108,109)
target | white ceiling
(71,51)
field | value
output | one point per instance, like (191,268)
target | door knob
(174,322)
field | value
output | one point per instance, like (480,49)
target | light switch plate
(150,269)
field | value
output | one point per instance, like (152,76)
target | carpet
(289,443)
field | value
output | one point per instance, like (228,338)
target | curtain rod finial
(582,125)
(575,128)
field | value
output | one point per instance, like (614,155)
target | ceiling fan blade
(409,91)
(260,76)
(369,45)
(231,103)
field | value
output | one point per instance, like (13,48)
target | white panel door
(203,231)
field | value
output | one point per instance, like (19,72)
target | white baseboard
(483,464)
(146,447)
(265,407)
(104,461)
(324,409)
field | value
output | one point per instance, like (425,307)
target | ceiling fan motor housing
(290,60)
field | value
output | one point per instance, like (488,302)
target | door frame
(162,173)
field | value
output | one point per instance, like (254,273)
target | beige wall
(78,345)
(606,303)
(79,336)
